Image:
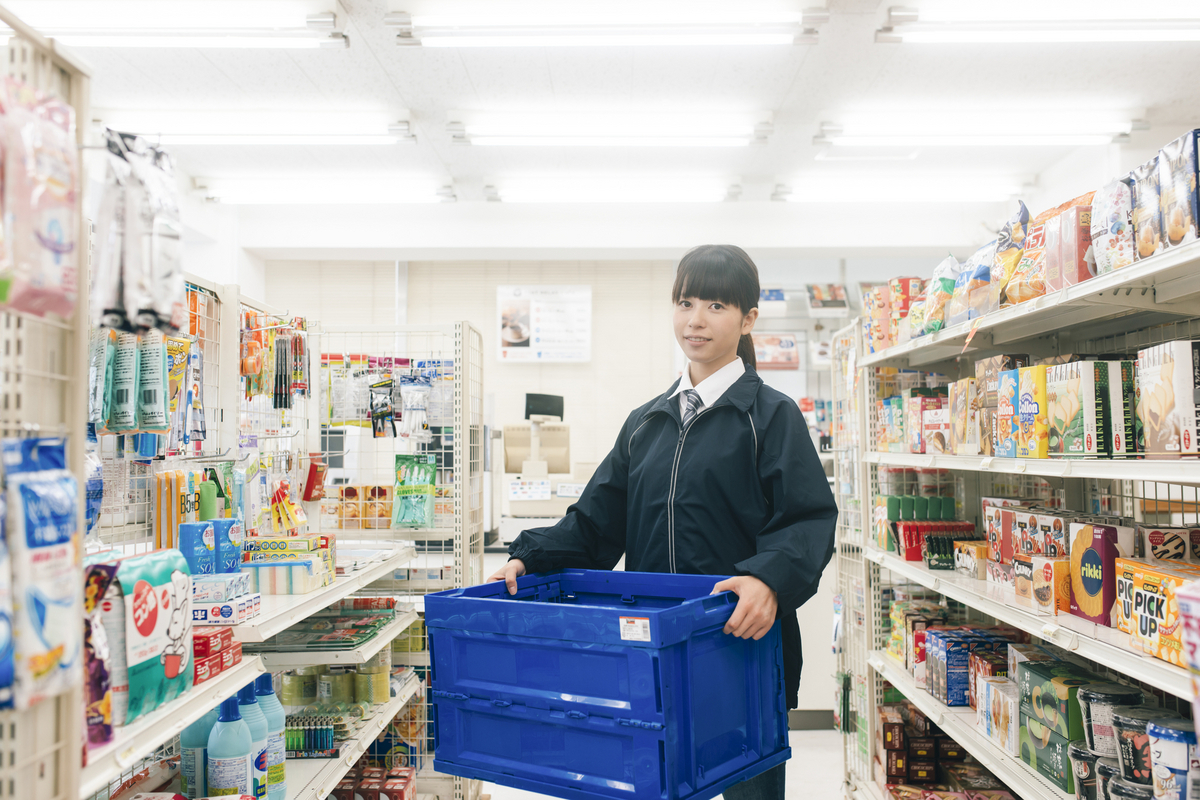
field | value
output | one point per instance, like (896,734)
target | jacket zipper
(674,479)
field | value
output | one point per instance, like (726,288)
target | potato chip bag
(976,274)
(938,292)
(1010,246)
(1112,231)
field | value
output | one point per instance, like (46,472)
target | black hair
(723,273)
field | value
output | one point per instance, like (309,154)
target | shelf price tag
(971,334)
(986,463)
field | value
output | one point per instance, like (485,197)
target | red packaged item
(208,668)
(374,772)
(343,791)
(236,651)
(369,789)
(397,789)
(208,641)
(408,773)
(1076,240)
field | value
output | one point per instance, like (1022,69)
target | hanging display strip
(1166,471)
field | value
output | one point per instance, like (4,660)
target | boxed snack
(987,431)
(1000,574)
(1032,430)
(891,729)
(897,764)
(1010,543)
(1007,413)
(984,664)
(1054,534)
(1148,608)
(1020,653)
(964,430)
(1165,544)
(922,747)
(922,771)
(950,750)
(1027,535)
(1122,437)
(970,558)
(1046,751)
(1112,231)
(1094,552)
(1147,214)
(1068,261)
(916,407)
(987,376)
(1023,575)
(992,530)
(1177,190)
(1077,397)
(935,423)
(1051,585)
(998,712)
(1049,690)
(351,507)
(1168,385)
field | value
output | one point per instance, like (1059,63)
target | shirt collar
(715,385)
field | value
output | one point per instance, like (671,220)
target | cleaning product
(229,746)
(253,715)
(272,709)
(230,542)
(193,757)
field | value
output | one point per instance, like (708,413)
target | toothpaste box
(208,668)
(231,612)
(208,641)
(219,588)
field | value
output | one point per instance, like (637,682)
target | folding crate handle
(715,603)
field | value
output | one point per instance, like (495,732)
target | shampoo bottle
(252,714)
(193,744)
(229,747)
(276,751)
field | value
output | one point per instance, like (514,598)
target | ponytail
(746,350)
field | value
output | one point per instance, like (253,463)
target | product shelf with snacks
(141,737)
(280,611)
(315,778)
(1098,643)
(358,655)
(1149,292)
(959,724)
(1167,471)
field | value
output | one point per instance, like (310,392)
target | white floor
(814,771)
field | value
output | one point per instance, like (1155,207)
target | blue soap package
(198,542)
(219,588)
(229,544)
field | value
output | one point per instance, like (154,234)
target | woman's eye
(717,306)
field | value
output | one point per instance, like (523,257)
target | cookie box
(1177,200)
(1018,654)
(1007,416)
(1000,574)
(935,425)
(1049,690)
(1148,609)
(984,664)
(1094,551)
(970,558)
(1023,575)
(1032,429)
(1051,585)
(1077,409)
(964,423)
(915,426)
(1046,751)
(1166,544)
(1054,531)
(922,771)
(891,729)
(987,432)
(997,712)
(987,376)
(1026,533)
(1122,433)
(1168,381)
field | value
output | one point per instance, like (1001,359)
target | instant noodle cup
(1107,770)
(1120,789)
(1172,750)
(1097,702)
(1133,741)
(1083,764)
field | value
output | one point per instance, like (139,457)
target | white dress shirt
(712,387)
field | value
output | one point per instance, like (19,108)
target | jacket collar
(741,395)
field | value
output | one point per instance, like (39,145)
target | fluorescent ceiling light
(260,127)
(917,187)
(904,26)
(934,129)
(609,189)
(181,39)
(609,129)
(563,26)
(324,190)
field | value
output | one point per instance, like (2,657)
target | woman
(718,476)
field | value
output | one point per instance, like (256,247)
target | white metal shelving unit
(357,655)
(1152,301)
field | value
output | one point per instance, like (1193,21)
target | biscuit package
(1077,398)
(1007,404)
(1147,215)
(987,376)
(1111,229)
(1051,585)
(1032,430)
(1147,607)
(935,424)
(964,418)
(1166,544)
(1168,384)
(1094,552)
(1177,190)
(1122,436)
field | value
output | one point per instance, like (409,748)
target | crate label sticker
(635,629)
(570,489)
(529,490)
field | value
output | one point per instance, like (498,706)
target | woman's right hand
(514,569)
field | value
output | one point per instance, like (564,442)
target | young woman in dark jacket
(718,476)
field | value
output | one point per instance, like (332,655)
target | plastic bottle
(193,744)
(272,709)
(252,714)
(229,747)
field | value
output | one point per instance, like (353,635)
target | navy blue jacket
(738,491)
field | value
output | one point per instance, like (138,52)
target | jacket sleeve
(592,534)
(797,542)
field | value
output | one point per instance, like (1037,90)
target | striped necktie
(693,403)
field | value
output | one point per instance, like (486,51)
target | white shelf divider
(140,738)
(315,778)
(418,658)
(959,724)
(1104,645)
(357,655)
(281,611)
(1168,471)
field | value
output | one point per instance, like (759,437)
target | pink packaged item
(39,266)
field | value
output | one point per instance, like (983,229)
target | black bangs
(722,273)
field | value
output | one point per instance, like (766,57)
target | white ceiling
(801,85)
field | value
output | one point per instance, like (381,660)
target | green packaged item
(1049,690)
(158,628)
(122,415)
(1045,751)
(412,504)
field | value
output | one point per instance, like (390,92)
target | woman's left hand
(756,606)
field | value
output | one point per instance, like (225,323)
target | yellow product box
(1147,605)
(964,418)
(1051,585)
(352,507)
(970,558)
(1033,430)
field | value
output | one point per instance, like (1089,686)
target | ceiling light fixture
(889,186)
(613,29)
(323,190)
(904,26)
(931,130)
(260,127)
(627,129)
(608,189)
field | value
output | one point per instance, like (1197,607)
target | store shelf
(1170,471)
(1150,292)
(417,659)
(959,725)
(1107,646)
(423,586)
(358,655)
(281,611)
(315,778)
(139,739)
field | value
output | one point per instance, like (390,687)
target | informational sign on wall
(776,351)
(545,323)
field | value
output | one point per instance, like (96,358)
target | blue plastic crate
(603,685)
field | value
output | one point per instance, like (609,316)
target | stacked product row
(1151,210)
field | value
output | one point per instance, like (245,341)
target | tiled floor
(813,773)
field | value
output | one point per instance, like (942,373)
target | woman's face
(708,330)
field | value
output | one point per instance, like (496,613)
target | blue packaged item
(1172,750)
(595,684)
(197,542)
(229,544)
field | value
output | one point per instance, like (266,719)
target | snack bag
(1028,281)
(97,652)
(1177,190)
(1112,231)
(1010,246)
(1147,215)
(938,293)
(975,277)
(916,316)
